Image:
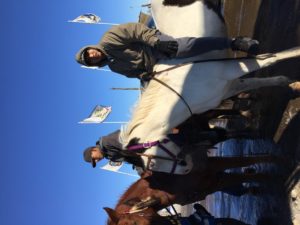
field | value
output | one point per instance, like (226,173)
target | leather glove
(169,48)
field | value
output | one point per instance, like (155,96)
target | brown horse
(198,218)
(158,190)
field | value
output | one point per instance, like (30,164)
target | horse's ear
(112,214)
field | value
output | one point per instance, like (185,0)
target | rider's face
(96,154)
(94,56)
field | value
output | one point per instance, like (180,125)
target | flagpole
(125,89)
(129,174)
(146,5)
(109,122)
(109,23)
(71,21)
(95,68)
(115,122)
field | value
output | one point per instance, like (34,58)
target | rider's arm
(130,33)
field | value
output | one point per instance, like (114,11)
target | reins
(172,89)
(151,76)
(262,56)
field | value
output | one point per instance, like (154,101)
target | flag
(87,18)
(98,114)
(115,167)
(112,166)
(95,68)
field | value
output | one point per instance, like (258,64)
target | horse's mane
(179,3)
(133,186)
(128,192)
(145,104)
(215,5)
(125,195)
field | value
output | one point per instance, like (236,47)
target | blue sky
(44,93)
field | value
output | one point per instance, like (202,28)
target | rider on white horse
(110,146)
(133,49)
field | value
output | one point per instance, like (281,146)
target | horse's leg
(223,163)
(221,181)
(227,180)
(236,68)
(246,133)
(217,135)
(229,221)
(240,85)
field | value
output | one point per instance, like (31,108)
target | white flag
(112,166)
(115,167)
(98,114)
(95,68)
(87,18)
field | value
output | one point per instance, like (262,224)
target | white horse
(202,85)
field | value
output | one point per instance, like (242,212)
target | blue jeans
(191,46)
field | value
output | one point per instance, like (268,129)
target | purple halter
(146,145)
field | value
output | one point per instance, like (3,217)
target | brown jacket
(128,47)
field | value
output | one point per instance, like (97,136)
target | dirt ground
(276,24)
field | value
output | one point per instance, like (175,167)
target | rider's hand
(145,76)
(169,48)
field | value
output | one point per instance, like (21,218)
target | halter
(146,145)
(174,219)
(216,7)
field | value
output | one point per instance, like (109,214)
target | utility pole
(126,89)
(147,5)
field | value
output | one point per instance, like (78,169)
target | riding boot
(245,44)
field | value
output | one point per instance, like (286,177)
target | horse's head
(138,203)
(147,216)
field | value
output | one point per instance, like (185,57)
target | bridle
(174,219)
(160,144)
(141,213)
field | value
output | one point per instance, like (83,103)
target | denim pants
(191,46)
